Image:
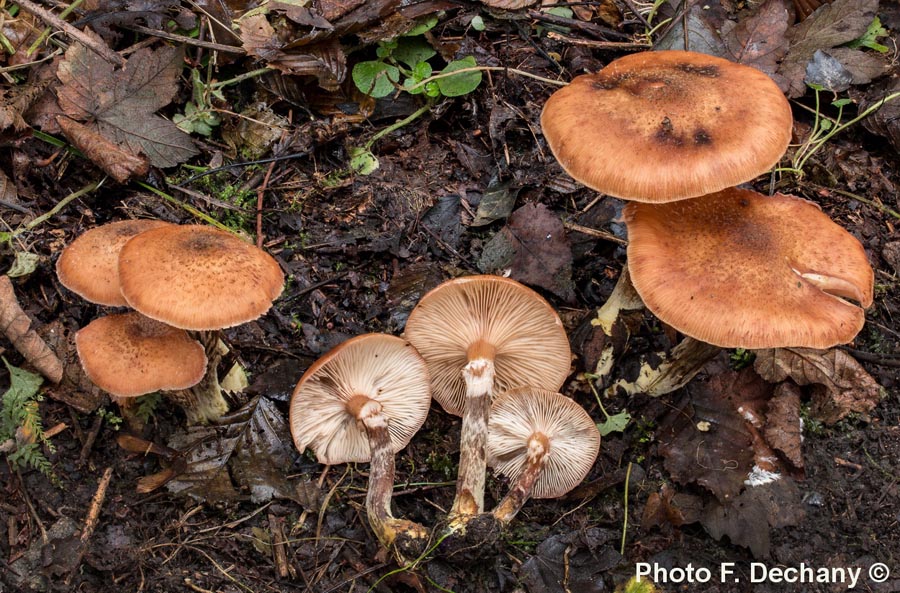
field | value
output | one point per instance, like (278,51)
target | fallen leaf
(845,386)
(827,72)
(721,458)
(16,100)
(783,425)
(759,40)
(702,26)
(748,519)
(833,24)
(670,507)
(121,104)
(119,164)
(16,326)
(534,247)
(863,66)
(577,558)
(250,453)
(497,202)
(886,120)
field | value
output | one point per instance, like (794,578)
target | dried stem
(92,44)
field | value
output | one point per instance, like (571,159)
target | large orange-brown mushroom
(203,279)
(667,125)
(482,335)
(740,269)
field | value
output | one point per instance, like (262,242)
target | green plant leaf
(422,26)
(614,423)
(477,22)
(362,161)
(24,264)
(375,78)
(870,37)
(460,84)
(413,51)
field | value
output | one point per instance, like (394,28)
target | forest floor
(287,157)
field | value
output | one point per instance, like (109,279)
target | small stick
(231,49)
(279,546)
(16,325)
(90,522)
(51,19)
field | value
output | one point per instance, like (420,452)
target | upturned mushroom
(363,401)
(740,269)
(201,279)
(480,335)
(544,442)
(660,126)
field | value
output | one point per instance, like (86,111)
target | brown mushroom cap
(570,432)
(89,265)
(380,367)
(129,355)
(197,277)
(529,340)
(739,269)
(667,125)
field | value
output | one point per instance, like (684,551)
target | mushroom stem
(398,535)
(204,403)
(538,448)
(479,377)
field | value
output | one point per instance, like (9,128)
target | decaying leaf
(886,121)
(496,203)
(323,58)
(748,519)
(783,425)
(248,453)
(759,40)
(722,457)
(16,325)
(121,104)
(666,372)
(863,66)
(15,101)
(668,507)
(535,249)
(833,24)
(119,164)
(842,385)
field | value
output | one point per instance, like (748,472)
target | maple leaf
(121,104)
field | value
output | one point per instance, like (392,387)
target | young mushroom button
(659,126)
(543,442)
(363,401)
(740,269)
(480,335)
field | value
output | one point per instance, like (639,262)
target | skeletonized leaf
(846,387)
(121,104)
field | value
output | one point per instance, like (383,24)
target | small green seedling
(870,38)
(21,430)
(612,423)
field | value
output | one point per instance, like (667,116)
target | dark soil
(359,251)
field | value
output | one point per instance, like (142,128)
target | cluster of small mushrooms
(673,132)
(184,283)
(486,348)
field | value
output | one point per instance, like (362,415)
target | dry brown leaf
(119,164)
(844,385)
(121,104)
(75,389)
(834,24)
(15,101)
(783,430)
(759,40)
(16,325)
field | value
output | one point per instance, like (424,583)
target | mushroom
(544,442)
(667,125)
(478,335)
(201,279)
(129,355)
(363,401)
(89,265)
(740,269)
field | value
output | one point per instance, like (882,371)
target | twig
(90,522)
(594,233)
(51,19)
(625,520)
(486,69)
(187,40)
(59,206)
(46,32)
(279,546)
(16,325)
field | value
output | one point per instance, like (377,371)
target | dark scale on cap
(709,71)
(702,137)
(666,133)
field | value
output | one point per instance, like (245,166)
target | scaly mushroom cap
(197,277)
(527,336)
(129,355)
(660,126)
(739,269)
(89,265)
(383,368)
(571,437)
